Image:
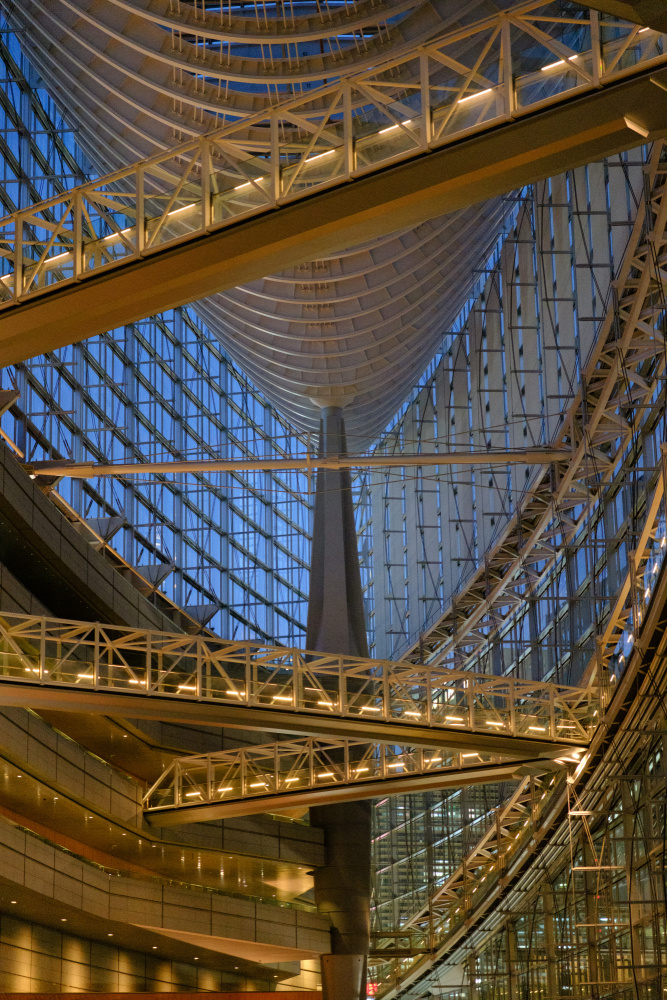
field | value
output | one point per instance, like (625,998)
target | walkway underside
(304,773)
(364,157)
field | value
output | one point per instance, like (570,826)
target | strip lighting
(473,97)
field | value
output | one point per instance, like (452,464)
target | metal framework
(589,874)
(516,825)
(236,547)
(621,379)
(407,105)
(498,712)
(301,773)
(308,463)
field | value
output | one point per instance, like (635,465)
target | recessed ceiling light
(12,900)
(154,947)
(109,935)
(64,920)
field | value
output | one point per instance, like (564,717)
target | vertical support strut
(336,625)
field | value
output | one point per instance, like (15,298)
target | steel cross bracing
(90,666)
(529,57)
(517,823)
(301,773)
(586,800)
(621,378)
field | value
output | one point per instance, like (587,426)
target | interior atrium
(333,498)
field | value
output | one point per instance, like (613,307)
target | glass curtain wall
(157,390)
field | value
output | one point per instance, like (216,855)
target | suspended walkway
(521,95)
(304,773)
(82,666)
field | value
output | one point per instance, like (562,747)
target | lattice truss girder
(490,71)
(475,889)
(593,903)
(624,396)
(347,128)
(240,781)
(84,656)
(618,385)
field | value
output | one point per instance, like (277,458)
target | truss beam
(258,196)
(650,13)
(300,773)
(630,347)
(82,666)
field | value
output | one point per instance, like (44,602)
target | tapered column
(336,624)
(336,621)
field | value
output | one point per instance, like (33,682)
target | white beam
(305,463)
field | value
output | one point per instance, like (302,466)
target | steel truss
(516,828)
(619,383)
(409,104)
(482,712)
(116,397)
(634,360)
(301,773)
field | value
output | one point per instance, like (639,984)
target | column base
(344,977)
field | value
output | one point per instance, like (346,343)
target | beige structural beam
(650,13)
(309,772)
(149,238)
(306,463)
(111,669)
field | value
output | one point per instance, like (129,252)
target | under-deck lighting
(320,155)
(472,97)
(392,128)
(187,687)
(561,62)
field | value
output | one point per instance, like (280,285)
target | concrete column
(335,606)
(336,624)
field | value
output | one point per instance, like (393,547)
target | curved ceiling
(138,76)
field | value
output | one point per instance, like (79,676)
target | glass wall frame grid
(158,389)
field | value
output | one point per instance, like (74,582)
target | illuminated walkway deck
(300,773)
(366,155)
(81,666)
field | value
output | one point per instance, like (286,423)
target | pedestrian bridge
(82,666)
(518,96)
(308,772)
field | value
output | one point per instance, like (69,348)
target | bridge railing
(528,57)
(84,655)
(297,766)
